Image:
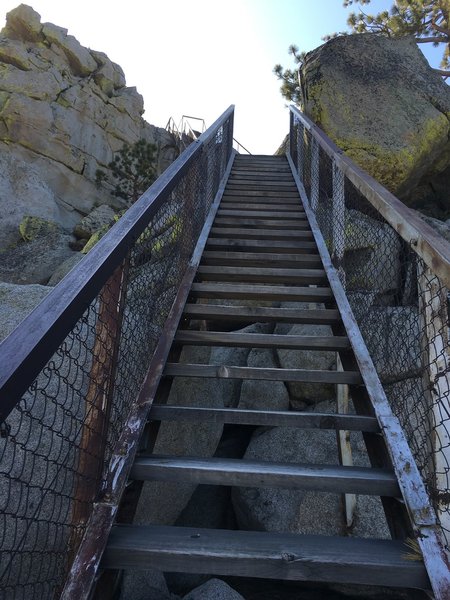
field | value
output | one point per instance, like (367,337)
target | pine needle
(415,553)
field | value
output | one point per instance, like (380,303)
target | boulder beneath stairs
(162,502)
(303,393)
(380,102)
(299,511)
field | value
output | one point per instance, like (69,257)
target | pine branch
(435,39)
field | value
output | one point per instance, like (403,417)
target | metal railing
(395,270)
(239,147)
(74,376)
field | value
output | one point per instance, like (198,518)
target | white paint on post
(315,175)
(345,449)
(436,357)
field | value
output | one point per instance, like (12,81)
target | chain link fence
(399,302)
(57,441)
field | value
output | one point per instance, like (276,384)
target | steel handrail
(427,243)
(27,349)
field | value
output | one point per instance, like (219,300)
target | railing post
(292,139)
(344,447)
(338,222)
(433,314)
(300,151)
(99,399)
(315,174)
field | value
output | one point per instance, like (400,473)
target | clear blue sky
(196,57)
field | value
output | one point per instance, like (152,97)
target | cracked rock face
(64,111)
(380,101)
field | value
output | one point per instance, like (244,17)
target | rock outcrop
(64,111)
(381,102)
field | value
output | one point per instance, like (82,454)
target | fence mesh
(56,443)
(401,306)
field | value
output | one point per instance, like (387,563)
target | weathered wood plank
(261,223)
(243,211)
(261,186)
(249,473)
(260,234)
(245,175)
(261,340)
(262,193)
(266,555)
(289,418)
(264,205)
(279,246)
(289,375)
(256,259)
(261,314)
(262,292)
(262,275)
(272,202)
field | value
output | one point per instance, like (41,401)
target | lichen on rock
(65,110)
(380,101)
(31,228)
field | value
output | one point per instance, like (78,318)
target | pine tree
(426,20)
(290,88)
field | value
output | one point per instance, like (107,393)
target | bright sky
(196,57)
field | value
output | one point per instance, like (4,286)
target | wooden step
(296,216)
(260,292)
(261,193)
(257,373)
(279,246)
(261,186)
(256,473)
(265,555)
(260,234)
(261,222)
(261,275)
(261,340)
(258,259)
(271,200)
(245,175)
(277,208)
(272,418)
(262,167)
(260,314)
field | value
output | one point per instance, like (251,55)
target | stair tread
(262,292)
(283,209)
(261,222)
(245,473)
(290,418)
(260,233)
(267,555)
(262,314)
(261,275)
(261,340)
(258,373)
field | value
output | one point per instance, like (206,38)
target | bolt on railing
(72,375)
